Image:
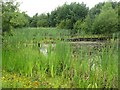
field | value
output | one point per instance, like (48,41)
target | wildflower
(3,77)
(36,83)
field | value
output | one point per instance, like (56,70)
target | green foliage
(61,24)
(65,17)
(11,17)
(18,20)
(68,14)
(77,26)
(69,24)
(34,20)
(107,21)
(84,27)
(74,65)
(65,24)
(42,21)
(118,11)
(96,10)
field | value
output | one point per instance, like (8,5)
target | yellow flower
(3,77)
(36,83)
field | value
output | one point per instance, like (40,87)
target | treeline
(79,19)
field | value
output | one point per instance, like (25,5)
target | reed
(64,65)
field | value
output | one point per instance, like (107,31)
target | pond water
(44,48)
(75,45)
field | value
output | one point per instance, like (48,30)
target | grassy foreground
(23,65)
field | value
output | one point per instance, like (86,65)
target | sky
(31,7)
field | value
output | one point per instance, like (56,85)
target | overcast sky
(44,6)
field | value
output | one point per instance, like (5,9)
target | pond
(75,46)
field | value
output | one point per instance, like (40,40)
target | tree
(18,20)
(62,24)
(8,9)
(68,14)
(11,16)
(107,21)
(52,18)
(65,24)
(118,11)
(42,21)
(96,10)
(34,20)
(28,19)
(84,26)
(77,26)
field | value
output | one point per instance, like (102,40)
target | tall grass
(82,67)
(0,60)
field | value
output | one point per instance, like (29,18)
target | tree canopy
(11,16)
(107,21)
(101,19)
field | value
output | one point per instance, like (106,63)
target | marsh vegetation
(65,65)
(71,47)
